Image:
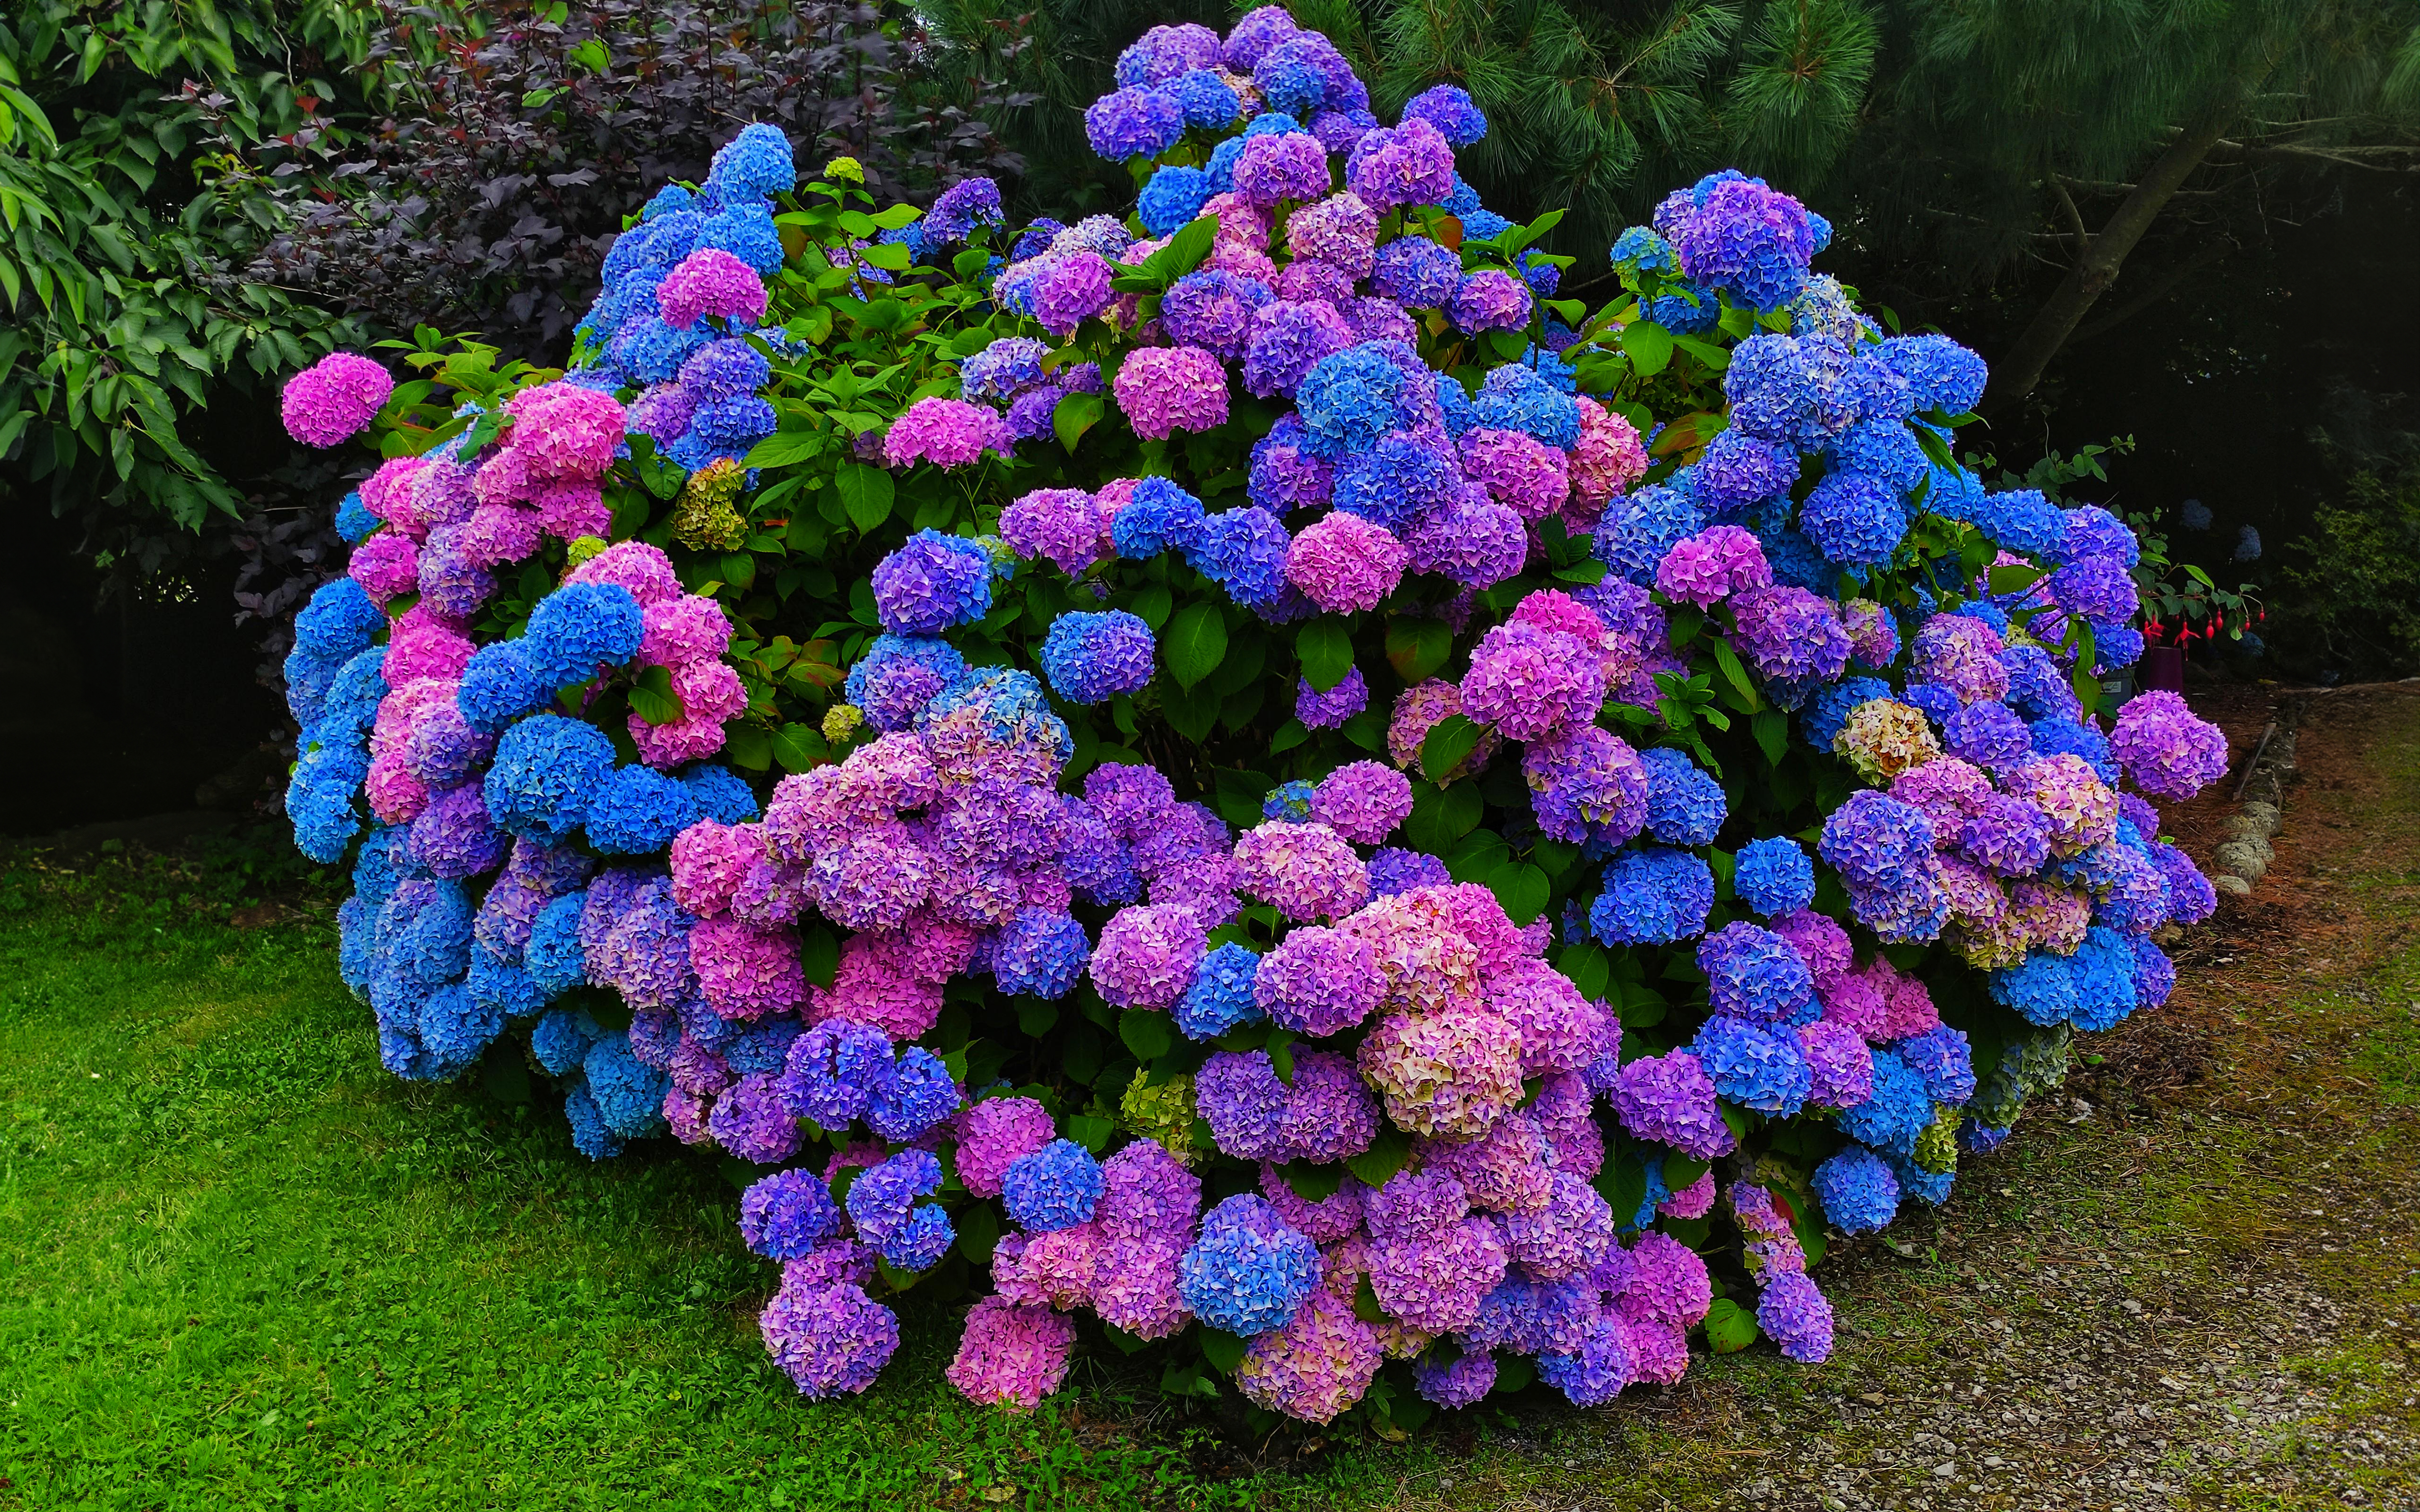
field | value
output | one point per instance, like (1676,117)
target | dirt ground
(2189,1281)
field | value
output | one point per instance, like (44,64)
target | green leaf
(1383,1159)
(1704,351)
(652,698)
(1448,744)
(1195,643)
(1146,1032)
(799,748)
(1523,889)
(819,954)
(1588,967)
(892,256)
(1771,728)
(2014,578)
(1730,1327)
(783,448)
(1325,649)
(1513,1374)
(749,749)
(1090,1131)
(1418,648)
(1313,1182)
(1440,816)
(1680,1171)
(1622,1183)
(1152,605)
(1224,1351)
(1734,673)
(978,1232)
(1073,416)
(1036,1016)
(1649,346)
(1185,249)
(866,492)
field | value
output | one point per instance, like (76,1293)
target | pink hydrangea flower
(334,398)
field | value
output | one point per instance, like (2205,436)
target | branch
(2074,216)
(2161,288)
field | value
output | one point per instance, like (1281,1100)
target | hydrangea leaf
(1649,346)
(1730,1327)
(1326,648)
(866,493)
(1194,644)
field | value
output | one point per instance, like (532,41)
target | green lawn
(245,1267)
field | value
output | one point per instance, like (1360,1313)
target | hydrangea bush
(1247,774)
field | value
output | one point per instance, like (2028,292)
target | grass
(245,1268)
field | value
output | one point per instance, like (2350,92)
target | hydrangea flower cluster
(1372,1120)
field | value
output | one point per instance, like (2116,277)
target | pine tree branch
(2015,376)
(2161,288)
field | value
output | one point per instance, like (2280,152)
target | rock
(2229,883)
(2265,816)
(2242,859)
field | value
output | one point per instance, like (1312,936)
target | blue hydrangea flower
(639,810)
(1899,1111)
(1859,1193)
(721,793)
(1652,897)
(1685,804)
(1156,516)
(1754,975)
(1452,111)
(1774,876)
(1206,100)
(1040,952)
(338,623)
(629,1096)
(354,521)
(1054,1187)
(2019,519)
(500,685)
(1638,247)
(933,583)
(1829,708)
(788,1216)
(1243,551)
(1516,399)
(1220,997)
(546,771)
(756,161)
(1091,656)
(1416,271)
(1133,123)
(1942,1059)
(1395,481)
(1005,368)
(1754,1067)
(1854,518)
(1173,196)
(561,1039)
(1941,374)
(748,233)
(1641,527)
(576,629)
(554,957)
(1738,471)
(1248,1272)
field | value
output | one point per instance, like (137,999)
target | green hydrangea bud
(844,171)
(584,548)
(707,518)
(1163,1114)
(1937,1149)
(842,722)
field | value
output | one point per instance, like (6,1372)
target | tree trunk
(2096,264)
